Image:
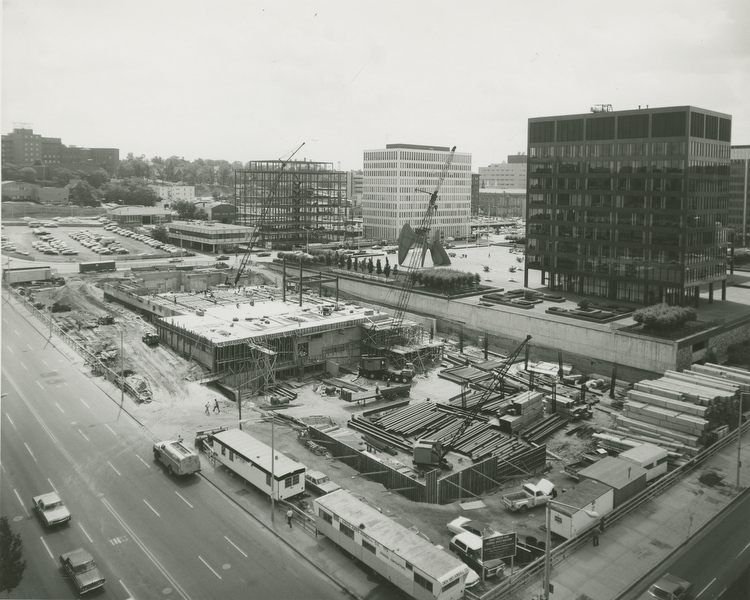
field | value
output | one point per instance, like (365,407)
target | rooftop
(256,451)
(612,471)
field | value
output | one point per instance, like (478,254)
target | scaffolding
(309,203)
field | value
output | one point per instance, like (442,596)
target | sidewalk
(318,551)
(637,544)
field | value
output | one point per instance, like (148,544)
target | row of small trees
(445,280)
(342,261)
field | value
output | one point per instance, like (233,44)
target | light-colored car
(463,524)
(51,509)
(671,587)
(81,568)
(320,483)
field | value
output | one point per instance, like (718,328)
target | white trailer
(413,564)
(651,457)
(251,459)
(26,274)
(590,496)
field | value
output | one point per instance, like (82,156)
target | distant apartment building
(502,204)
(739,195)
(31,192)
(354,191)
(293,203)
(24,148)
(221,212)
(397,184)
(510,175)
(169,193)
(630,205)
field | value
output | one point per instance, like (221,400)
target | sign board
(502,545)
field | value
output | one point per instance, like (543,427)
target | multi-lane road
(153,536)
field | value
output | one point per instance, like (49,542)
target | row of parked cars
(49,244)
(148,240)
(78,564)
(98,243)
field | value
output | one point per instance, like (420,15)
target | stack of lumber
(681,411)
(525,408)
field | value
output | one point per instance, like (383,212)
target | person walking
(597,530)
(207,407)
(216,405)
(289,515)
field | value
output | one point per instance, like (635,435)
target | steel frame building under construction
(292,203)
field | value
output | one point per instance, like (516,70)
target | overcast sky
(247,80)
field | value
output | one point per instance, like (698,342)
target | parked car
(463,524)
(320,483)
(222,257)
(671,587)
(82,570)
(264,254)
(51,509)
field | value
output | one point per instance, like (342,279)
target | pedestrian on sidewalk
(207,407)
(216,405)
(597,530)
(289,515)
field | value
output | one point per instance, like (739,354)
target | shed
(589,496)
(625,478)
(651,457)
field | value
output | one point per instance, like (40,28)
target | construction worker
(289,515)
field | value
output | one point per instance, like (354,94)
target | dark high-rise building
(739,195)
(300,204)
(630,205)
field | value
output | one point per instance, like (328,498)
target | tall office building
(296,203)
(510,175)
(630,205)
(739,195)
(397,185)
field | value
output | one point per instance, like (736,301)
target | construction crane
(416,239)
(262,218)
(432,452)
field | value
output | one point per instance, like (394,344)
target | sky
(244,80)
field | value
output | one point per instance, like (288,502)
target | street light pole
(743,395)
(548,540)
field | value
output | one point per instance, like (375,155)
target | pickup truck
(530,496)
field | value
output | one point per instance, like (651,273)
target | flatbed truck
(376,367)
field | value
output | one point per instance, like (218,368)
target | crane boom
(261,220)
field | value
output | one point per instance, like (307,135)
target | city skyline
(245,81)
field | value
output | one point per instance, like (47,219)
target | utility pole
(273,477)
(122,372)
(743,395)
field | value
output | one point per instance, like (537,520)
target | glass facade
(397,184)
(739,195)
(629,205)
(302,203)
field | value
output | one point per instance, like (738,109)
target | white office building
(505,175)
(397,184)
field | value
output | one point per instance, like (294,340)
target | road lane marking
(40,385)
(24,366)
(146,551)
(183,499)
(11,421)
(112,430)
(45,362)
(84,435)
(53,486)
(741,551)
(30,452)
(58,406)
(85,533)
(127,591)
(209,566)
(16,332)
(705,588)
(143,461)
(86,405)
(29,347)
(21,502)
(9,349)
(52,556)
(236,546)
(113,468)
(152,508)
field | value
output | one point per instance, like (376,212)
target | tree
(130,192)
(27,174)
(378,267)
(348,263)
(63,177)
(160,234)
(96,178)
(82,194)
(10,172)
(370,265)
(662,317)
(187,210)
(12,564)
(387,268)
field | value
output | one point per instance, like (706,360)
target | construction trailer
(409,562)
(625,478)
(572,520)
(27,274)
(651,457)
(276,475)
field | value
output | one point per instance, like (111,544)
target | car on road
(222,257)
(175,260)
(51,509)
(82,570)
(671,587)
(463,524)
(263,254)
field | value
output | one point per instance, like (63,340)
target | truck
(379,393)
(177,457)
(97,266)
(376,367)
(531,495)
(27,274)
(150,339)
(470,549)
(587,459)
